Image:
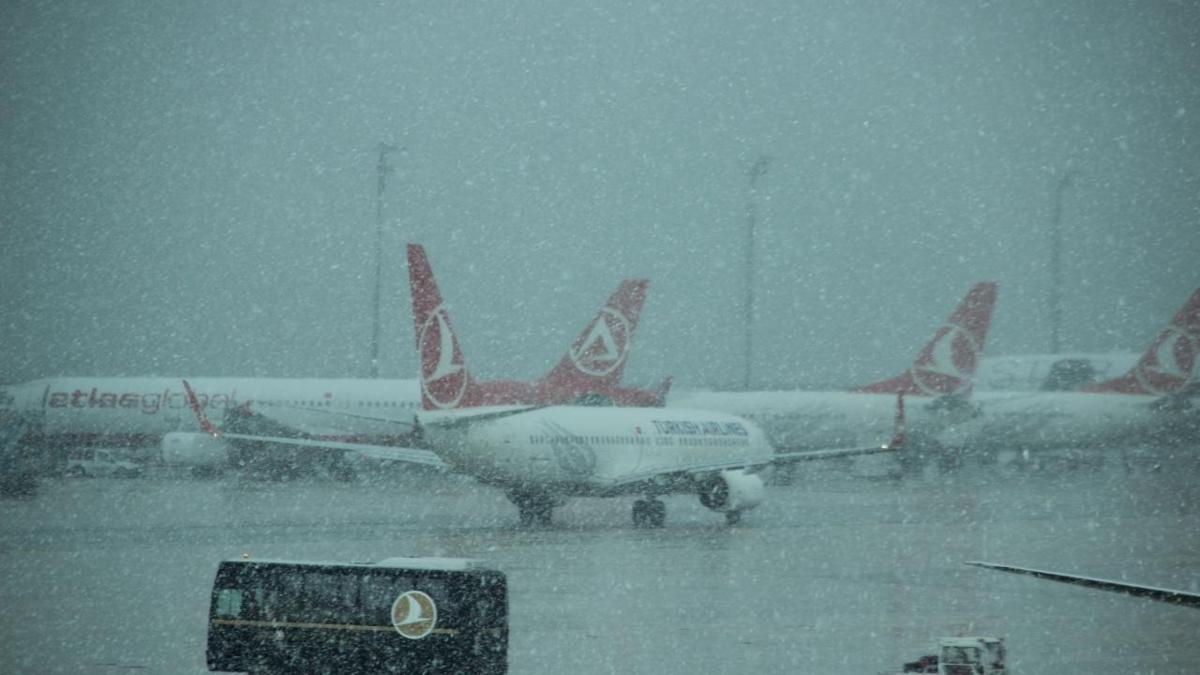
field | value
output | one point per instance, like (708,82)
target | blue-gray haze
(189,188)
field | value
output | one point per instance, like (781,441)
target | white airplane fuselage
(804,420)
(1031,372)
(148,408)
(1065,420)
(579,451)
(810,420)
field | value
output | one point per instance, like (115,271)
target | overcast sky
(189,188)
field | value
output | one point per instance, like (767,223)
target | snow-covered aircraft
(1154,402)
(938,383)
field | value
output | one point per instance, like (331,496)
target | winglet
(663,390)
(900,434)
(1169,365)
(597,357)
(946,365)
(198,410)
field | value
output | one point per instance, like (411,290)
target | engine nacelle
(732,491)
(183,448)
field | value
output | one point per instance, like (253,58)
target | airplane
(940,378)
(151,414)
(1182,598)
(543,455)
(1070,371)
(1153,402)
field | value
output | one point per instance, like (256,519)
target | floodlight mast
(1056,277)
(756,171)
(383,169)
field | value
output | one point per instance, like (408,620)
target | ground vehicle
(425,615)
(18,471)
(963,656)
(100,462)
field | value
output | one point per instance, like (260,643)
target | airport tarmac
(839,572)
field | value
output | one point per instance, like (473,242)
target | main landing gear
(534,508)
(649,512)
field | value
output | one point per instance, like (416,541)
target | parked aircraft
(1154,402)
(938,383)
(1071,371)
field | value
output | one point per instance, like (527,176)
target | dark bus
(400,615)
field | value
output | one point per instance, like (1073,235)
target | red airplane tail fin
(596,359)
(947,363)
(1168,366)
(444,376)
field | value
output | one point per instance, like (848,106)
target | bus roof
(440,564)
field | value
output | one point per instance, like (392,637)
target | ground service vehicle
(963,656)
(100,462)
(400,615)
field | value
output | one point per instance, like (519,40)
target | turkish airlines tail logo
(946,365)
(597,357)
(1169,365)
(444,375)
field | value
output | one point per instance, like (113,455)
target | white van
(101,462)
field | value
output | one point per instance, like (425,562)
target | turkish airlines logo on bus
(1171,363)
(949,363)
(443,375)
(604,345)
(414,614)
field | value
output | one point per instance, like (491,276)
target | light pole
(1065,181)
(383,169)
(756,171)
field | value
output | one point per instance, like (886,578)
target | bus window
(229,603)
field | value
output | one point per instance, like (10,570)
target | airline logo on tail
(603,345)
(1170,363)
(947,363)
(443,375)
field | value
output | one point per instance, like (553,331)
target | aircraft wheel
(733,517)
(533,509)
(649,513)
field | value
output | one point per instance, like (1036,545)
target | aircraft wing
(1184,598)
(898,437)
(810,455)
(388,452)
(272,431)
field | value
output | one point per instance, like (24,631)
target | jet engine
(197,450)
(732,491)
